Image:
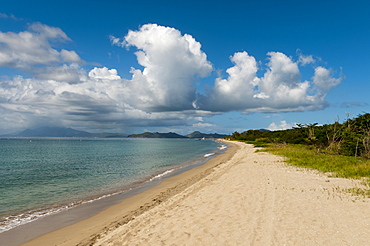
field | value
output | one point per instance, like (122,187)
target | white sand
(253,199)
(243,198)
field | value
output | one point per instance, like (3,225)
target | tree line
(350,138)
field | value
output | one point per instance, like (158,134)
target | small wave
(13,221)
(162,174)
(222,147)
(208,155)
(9,222)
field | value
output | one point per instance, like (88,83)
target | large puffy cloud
(229,94)
(97,102)
(31,101)
(61,92)
(162,93)
(279,90)
(283,88)
(171,62)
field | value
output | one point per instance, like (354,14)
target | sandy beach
(239,198)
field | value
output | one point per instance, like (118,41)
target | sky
(182,66)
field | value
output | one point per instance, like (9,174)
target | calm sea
(44,176)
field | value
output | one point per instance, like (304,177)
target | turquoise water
(42,176)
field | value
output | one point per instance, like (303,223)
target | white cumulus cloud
(28,49)
(282,125)
(161,93)
(104,73)
(233,93)
(306,59)
(323,79)
(171,62)
(280,89)
(98,102)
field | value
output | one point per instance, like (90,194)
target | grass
(359,191)
(258,144)
(337,165)
(334,165)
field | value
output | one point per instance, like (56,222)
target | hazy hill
(195,134)
(156,135)
(198,134)
(61,132)
(72,133)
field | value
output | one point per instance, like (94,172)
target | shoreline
(117,194)
(45,226)
(254,198)
(69,172)
(242,197)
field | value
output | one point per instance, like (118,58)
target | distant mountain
(72,133)
(156,135)
(62,132)
(198,134)
(195,134)
(109,135)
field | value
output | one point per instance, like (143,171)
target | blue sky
(134,66)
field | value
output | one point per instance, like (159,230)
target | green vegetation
(339,149)
(351,138)
(334,165)
(337,165)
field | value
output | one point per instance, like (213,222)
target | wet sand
(238,198)
(119,213)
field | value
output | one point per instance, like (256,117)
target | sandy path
(253,199)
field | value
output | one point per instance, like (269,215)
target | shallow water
(43,176)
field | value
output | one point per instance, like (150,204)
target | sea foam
(93,169)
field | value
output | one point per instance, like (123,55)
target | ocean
(39,177)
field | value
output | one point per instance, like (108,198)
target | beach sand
(239,198)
